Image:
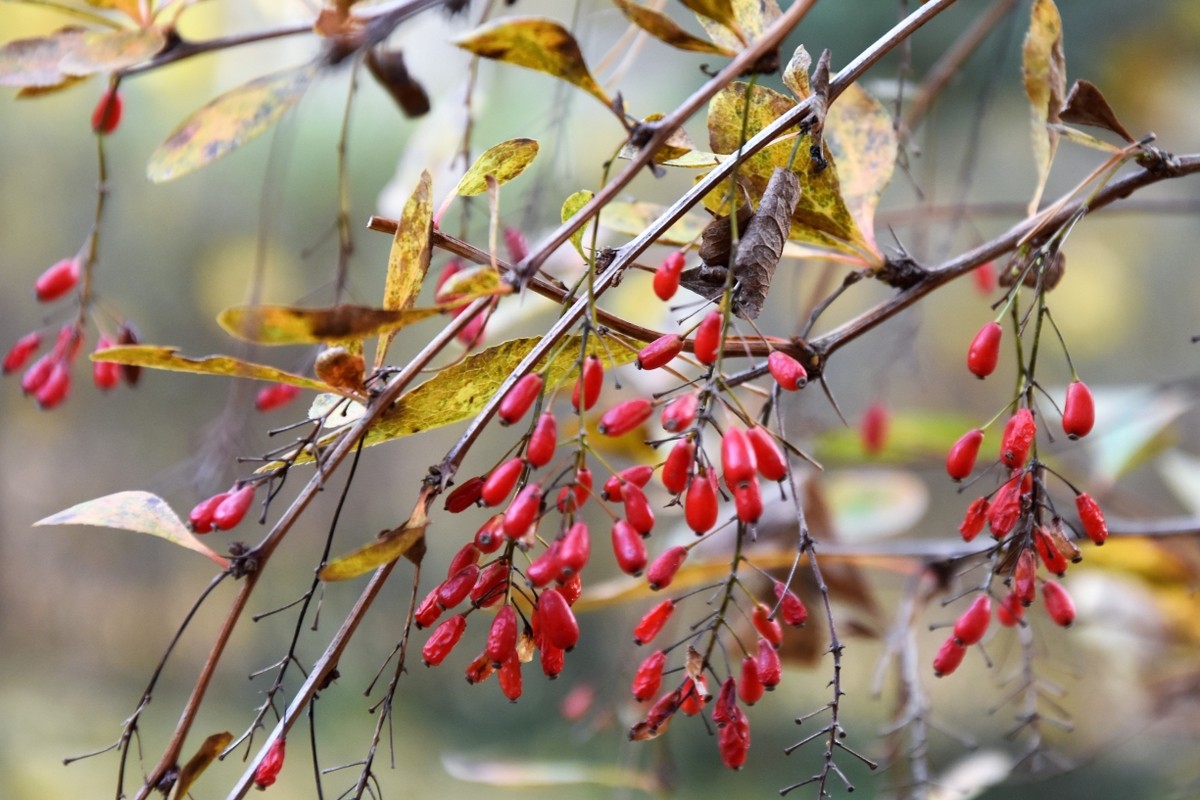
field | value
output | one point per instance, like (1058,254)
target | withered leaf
(760,249)
(389,69)
(665,29)
(1044,69)
(1085,105)
(716,242)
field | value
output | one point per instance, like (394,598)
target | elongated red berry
(465,495)
(268,769)
(466,556)
(56,386)
(970,627)
(105,374)
(35,377)
(648,678)
(428,610)
(1005,508)
(770,668)
(499,483)
(948,657)
(678,464)
(277,395)
(973,521)
(491,584)
(772,464)
(556,619)
(443,639)
(700,504)
(1019,433)
(1079,411)
(502,636)
(1054,561)
(1092,518)
(666,277)
(750,688)
(233,508)
(21,351)
(767,627)
(57,280)
(519,398)
(787,371)
(679,414)
(960,461)
(509,677)
(1024,578)
(200,520)
(628,548)
(660,352)
(873,429)
(662,571)
(738,462)
(1059,604)
(637,509)
(522,511)
(747,501)
(1010,611)
(707,344)
(733,740)
(106,116)
(490,535)
(624,417)
(542,441)
(553,659)
(791,608)
(652,622)
(984,354)
(638,475)
(590,382)
(574,550)
(455,589)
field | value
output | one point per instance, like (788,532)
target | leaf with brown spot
(168,358)
(408,259)
(109,51)
(212,747)
(279,325)
(1085,105)
(1044,69)
(535,43)
(228,122)
(34,61)
(502,162)
(861,137)
(666,30)
(389,546)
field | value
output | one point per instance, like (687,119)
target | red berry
(480,669)
(556,620)
(666,277)
(1059,604)
(628,548)
(1079,411)
(21,351)
(693,693)
(1052,559)
(973,624)
(976,516)
(772,464)
(1092,518)
(519,398)
(648,678)
(516,243)
(638,475)
(571,589)
(1019,433)
(874,429)
(275,396)
(679,414)
(1024,578)
(455,589)
(770,668)
(106,374)
(679,462)
(574,549)
(572,498)
(747,501)
(738,462)
(56,386)
(522,511)
(768,628)
(542,441)
(465,495)
(960,461)
(57,280)
(624,417)
(985,277)
(750,688)
(663,570)
(200,520)
(490,535)
(787,371)
(1005,508)
(502,636)
(509,677)
(984,354)
(35,377)
(491,585)
(791,608)
(733,740)
(708,338)
(637,509)
(68,342)
(653,621)
(660,352)
(700,504)
(107,114)
(231,510)
(590,383)
(268,769)
(443,639)
(948,657)
(428,610)
(553,659)
(1010,610)
(499,482)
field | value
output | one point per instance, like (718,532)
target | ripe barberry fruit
(679,414)
(575,548)
(873,429)
(974,519)
(733,740)
(545,568)
(1059,604)
(200,519)
(21,351)
(275,396)
(770,668)
(233,508)
(490,535)
(465,495)
(35,377)
(738,462)
(791,608)
(648,678)
(520,398)
(268,769)
(747,501)
(553,660)
(707,345)
(499,483)
(948,657)
(1005,508)
(772,464)
(427,610)
(502,636)
(1024,578)
(491,584)
(637,509)
(1052,559)
(577,493)
(1019,433)
(660,352)
(984,354)
(1079,410)
(509,676)
(789,373)
(960,461)
(678,464)
(624,417)
(693,693)
(662,571)
(768,628)
(970,627)
(543,441)
(590,382)
(57,280)
(750,688)
(466,556)
(638,475)
(56,386)
(443,639)
(106,116)
(1092,518)
(105,374)
(1010,611)
(652,622)
(628,548)
(666,277)
(455,589)
(556,620)
(700,504)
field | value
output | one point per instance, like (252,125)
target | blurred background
(87,612)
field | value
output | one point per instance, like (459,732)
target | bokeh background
(85,612)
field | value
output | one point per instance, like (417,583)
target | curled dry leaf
(1085,105)
(760,249)
(1044,69)
(665,29)
(387,67)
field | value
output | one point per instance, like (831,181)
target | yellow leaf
(131,8)
(109,51)
(535,43)
(795,74)
(752,16)
(140,512)
(228,122)
(30,92)
(34,61)
(503,162)
(717,10)
(633,218)
(1044,69)
(291,325)
(388,547)
(408,260)
(570,207)
(665,29)
(861,136)
(677,151)
(468,284)
(168,358)
(212,747)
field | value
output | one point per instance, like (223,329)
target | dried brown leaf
(760,249)
(1085,105)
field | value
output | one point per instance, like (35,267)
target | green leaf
(140,512)
(502,162)
(291,325)
(665,29)
(1044,70)
(168,358)
(34,61)
(861,136)
(408,259)
(109,51)
(536,43)
(388,547)
(570,207)
(209,751)
(228,122)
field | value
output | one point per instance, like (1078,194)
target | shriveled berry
(1005,508)
(666,277)
(707,344)
(791,608)
(443,639)
(678,464)
(663,570)
(519,398)
(57,280)
(747,501)
(480,669)
(1019,433)
(652,622)
(770,668)
(428,610)
(725,707)
(1024,578)
(1052,559)
(465,495)
(502,636)
(750,688)
(768,628)
(637,509)
(200,519)
(772,464)
(543,441)
(557,621)
(268,769)
(590,383)
(233,508)
(648,678)
(873,429)
(733,740)
(628,548)
(970,627)
(679,414)
(1092,518)
(1059,604)
(277,395)
(1064,544)
(499,483)
(638,475)
(21,351)
(973,521)
(960,461)
(789,373)
(624,417)
(984,354)
(660,352)
(571,588)
(106,116)
(700,504)
(738,462)
(948,657)
(1079,410)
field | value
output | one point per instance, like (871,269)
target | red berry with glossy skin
(679,462)
(974,519)
(590,383)
(747,501)
(443,639)
(1005,508)
(557,621)
(490,535)
(1092,518)
(628,548)
(750,688)
(637,509)
(1079,411)
(973,623)
(663,570)
(1010,611)
(791,608)
(660,352)
(960,461)
(499,483)
(772,464)
(21,351)
(700,503)
(624,417)
(1019,433)
(268,769)
(56,386)
(768,628)
(770,668)
(509,677)
(738,462)
(787,371)
(948,657)
(57,280)
(465,495)
(575,548)
(1059,604)
(502,636)
(572,498)
(679,414)
(427,610)
(652,622)
(638,476)
(571,589)
(523,511)
(708,338)
(984,354)
(200,519)
(275,396)
(466,556)
(106,116)
(544,569)
(666,277)
(520,398)
(233,508)
(1024,578)
(873,429)
(733,740)
(543,441)
(491,584)
(648,678)
(455,589)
